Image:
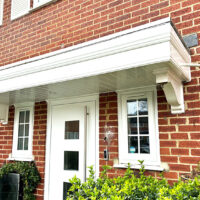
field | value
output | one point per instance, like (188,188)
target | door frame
(90,98)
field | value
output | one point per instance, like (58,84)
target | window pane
(27,116)
(21,117)
(26,144)
(132,108)
(20,144)
(132,144)
(66,187)
(144,145)
(21,130)
(143,125)
(71,159)
(72,130)
(132,125)
(26,129)
(143,107)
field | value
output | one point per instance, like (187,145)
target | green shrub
(29,176)
(130,187)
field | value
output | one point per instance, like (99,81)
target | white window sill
(14,158)
(39,5)
(19,16)
(147,167)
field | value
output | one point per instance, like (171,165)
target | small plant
(130,187)
(29,176)
(194,173)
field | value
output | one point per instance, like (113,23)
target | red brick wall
(66,23)
(6,137)
(39,141)
(179,134)
(108,121)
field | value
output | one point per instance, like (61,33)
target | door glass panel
(72,130)
(71,160)
(66,187)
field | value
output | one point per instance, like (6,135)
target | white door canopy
(155,47)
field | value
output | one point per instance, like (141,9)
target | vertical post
(85,143)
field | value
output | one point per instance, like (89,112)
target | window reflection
(132,108)
(143,107)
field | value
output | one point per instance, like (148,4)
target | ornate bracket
(173,88)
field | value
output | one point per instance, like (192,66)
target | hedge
(131,187)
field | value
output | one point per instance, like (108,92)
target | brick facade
(39,141)
(66,23)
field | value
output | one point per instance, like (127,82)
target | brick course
(39,141)
(66,23)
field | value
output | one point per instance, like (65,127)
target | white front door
(72,145)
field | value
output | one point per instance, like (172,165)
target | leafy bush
(130,187)
(29,176)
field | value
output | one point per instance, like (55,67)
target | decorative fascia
(179,53)
(125,41)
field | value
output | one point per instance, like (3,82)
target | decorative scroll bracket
(173,88)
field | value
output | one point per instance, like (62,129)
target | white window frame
(21,14)
(152,159)
(36,5)
(40,3)
(1,12)
(23,155)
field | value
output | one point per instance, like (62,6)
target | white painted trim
(37,5)
(28,159)
(20,14)
(147,167)
(1,11)
(89,43)
(137,93)
(123,51)
(81,99)
(25,104)
(48,152)
(22,154)
(190,64)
